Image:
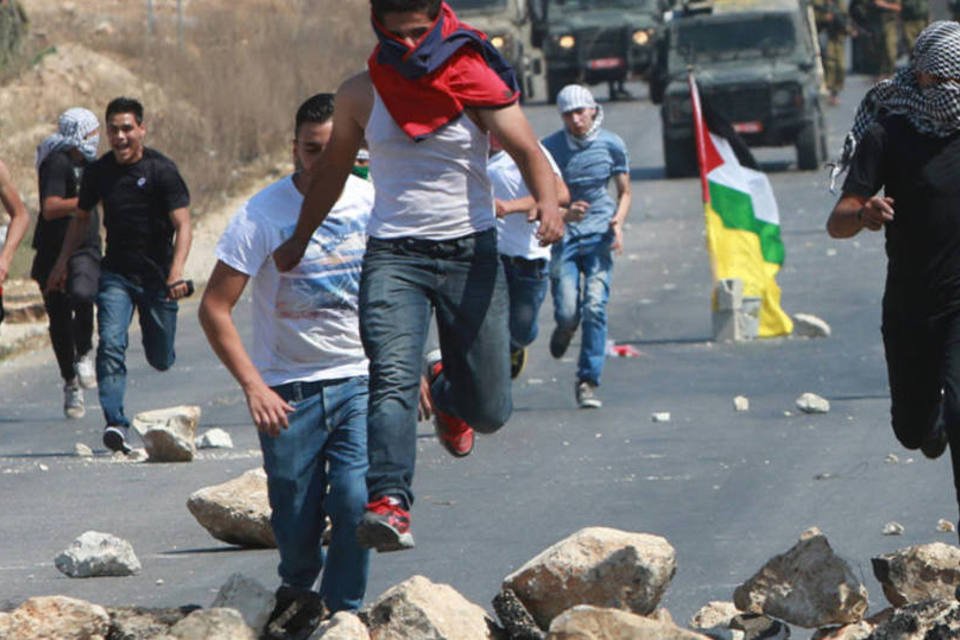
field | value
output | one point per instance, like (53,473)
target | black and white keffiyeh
(73,129)
(932,110)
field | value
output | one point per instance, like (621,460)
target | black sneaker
(115,438)
(296,615)
(935,442)
(559,341)
(518,360)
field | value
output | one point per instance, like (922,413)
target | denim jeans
(116,300)
(315,468)
(527,282)
(463,281)
(580,270)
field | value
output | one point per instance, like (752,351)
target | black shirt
(58,176)
(922,175)
(137,200)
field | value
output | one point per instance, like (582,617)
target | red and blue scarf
(452,67)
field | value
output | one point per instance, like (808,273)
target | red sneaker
(385,526)
(454,434)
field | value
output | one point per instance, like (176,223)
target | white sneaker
(86,372)
(587,396)
(73,400)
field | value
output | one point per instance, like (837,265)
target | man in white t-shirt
(525,260)
(305,378)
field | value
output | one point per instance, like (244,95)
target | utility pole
(151,26)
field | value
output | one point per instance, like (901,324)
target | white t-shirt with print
(516,236)
(305,321)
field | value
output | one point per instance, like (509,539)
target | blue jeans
(463,281)
(527,283)
(315,468)
(580,271)
(116,299)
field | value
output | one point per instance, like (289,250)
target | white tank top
(435,189)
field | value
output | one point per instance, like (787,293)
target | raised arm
(19,220)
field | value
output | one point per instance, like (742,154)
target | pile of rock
(597,584)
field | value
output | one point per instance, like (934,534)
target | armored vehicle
(593,41)
(757,63)
(508,24)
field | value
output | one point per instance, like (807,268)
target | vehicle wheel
(556,82)
(679,157)
(809,145)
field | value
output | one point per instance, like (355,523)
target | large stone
(515,618)
(212,624)
(919,573)
(249,597)
(807,325)
(713,620)
(928,620)
(237,511)
(856,631)
(809,586)
(96,554)
(342,626)
(142,623)
(598,566)
(169,434)
(585,622)
(55,617)
(418,608)
(215,439)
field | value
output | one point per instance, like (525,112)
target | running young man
(433,90)
(306,383)
(145,213)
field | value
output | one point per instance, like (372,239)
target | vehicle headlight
(566,41)
(641,37)
(498,41)
(785,96)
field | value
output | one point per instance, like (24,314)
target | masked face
(89,147)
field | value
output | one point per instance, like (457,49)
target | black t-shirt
(922,175)
(58,176)
(137,200)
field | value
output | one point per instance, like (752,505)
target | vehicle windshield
(580,5)
(477,5)
(732,39)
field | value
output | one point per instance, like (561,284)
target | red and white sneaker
(385,526)
(454,434)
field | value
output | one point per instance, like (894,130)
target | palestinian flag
(743,222)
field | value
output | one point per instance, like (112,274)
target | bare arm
(181,247)
(19,220)
(329,173)
(55,207)
(624,198)
(853,213)
(268,410)
(76,231)
(512,128)
(526,203)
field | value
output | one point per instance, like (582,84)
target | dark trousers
(71,330)
(923,364)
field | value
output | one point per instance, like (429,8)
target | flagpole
(699,136)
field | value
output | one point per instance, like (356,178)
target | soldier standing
(915,16)
(832,22)
(883,24)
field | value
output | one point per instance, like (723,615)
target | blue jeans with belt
(527,282)
(580,270)
(462,281)
(116,300)
(316,468)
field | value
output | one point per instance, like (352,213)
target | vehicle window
(698,39)
(578,5)
(476,5)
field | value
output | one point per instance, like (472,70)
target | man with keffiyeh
(906,140)
(433,90)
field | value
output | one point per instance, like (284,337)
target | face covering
(73,127)
(361,171)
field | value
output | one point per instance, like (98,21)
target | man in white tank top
(432,91)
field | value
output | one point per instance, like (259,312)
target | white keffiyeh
(73,128)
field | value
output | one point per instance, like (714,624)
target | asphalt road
(728,490)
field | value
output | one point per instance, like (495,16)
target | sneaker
(296,615)
(587,396)
(559,341)
(115,438)
(86,372)
(454,434)
(385,526)
(73,400)
(935,442)
(518,360)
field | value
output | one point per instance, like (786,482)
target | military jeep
(757,63)
(593,41)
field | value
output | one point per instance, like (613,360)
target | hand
(57,280)
(576,211)
(268,410)
(617,245)
(425,410)
(500,207)
(289,254)
(4,269)
(876,212)
(176,286)
(551,225)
